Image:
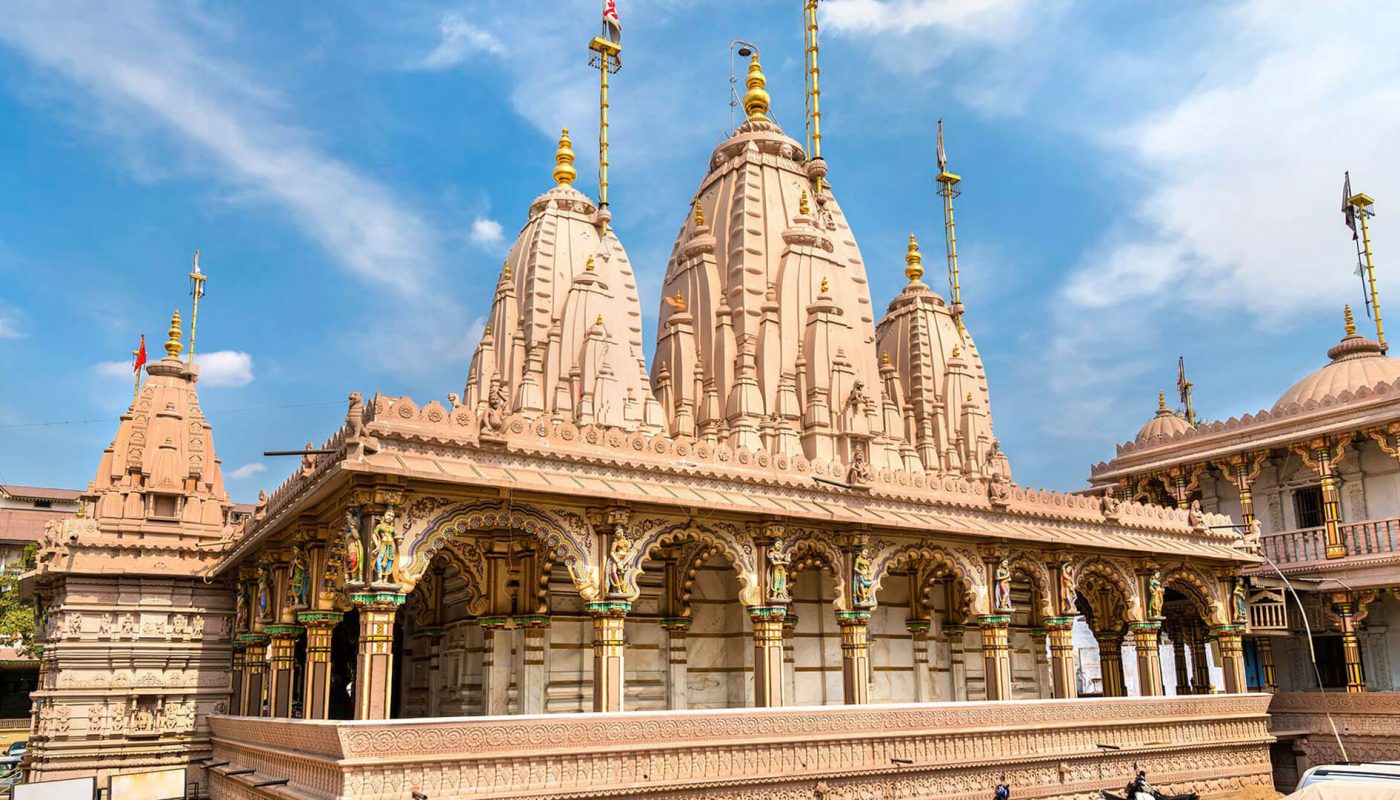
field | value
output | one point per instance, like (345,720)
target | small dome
(1164,424)
(1356,362)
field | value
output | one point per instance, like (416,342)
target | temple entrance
(345,645)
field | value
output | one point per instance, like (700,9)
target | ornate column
(1111,663)
(923,679)
(608,646)
(1242,469)
(1200,664)
(236,679)
(1321,455)
(790,657)
(957,662)
(374,669)
(767,654)
(1230,640)
(533,680)
(1183,675)
(1039,636)
(996,656)
(1062,677)
(1345,605)
(316,695)
(1265,646)
(254,673)
(282,663)
(1146,639)
(855,655)
(677,661)
(495,666)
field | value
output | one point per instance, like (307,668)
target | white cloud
(980,20)
(458,40)
(115,369)
(224,368)
(9,325)
(474,333)
(487,232)
(247,471)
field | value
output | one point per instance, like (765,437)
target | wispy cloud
(225,368)
(458,40)
(9,324)
(247,471)
(487,232)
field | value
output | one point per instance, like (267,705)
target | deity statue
(998,490)
(264,596)
(1194,517)
(1108,503)
(778,573)
(1239,608)
(617,562)
(354,548)
(862,582)
(495,417)
(240,609)
(860,473)
(297,580)
(1155,595)
(854,409)
(386,547)
(1002,578)
(1068,591)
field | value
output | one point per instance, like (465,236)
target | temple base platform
(1214,745)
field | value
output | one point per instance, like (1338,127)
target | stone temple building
(785,558)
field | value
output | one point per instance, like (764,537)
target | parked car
(1386,772)
(13,754)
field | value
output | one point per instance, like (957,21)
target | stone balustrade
(1215,745)
(1372,537)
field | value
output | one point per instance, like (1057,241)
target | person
(1003,791)
(1140,789)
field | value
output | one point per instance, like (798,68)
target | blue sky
(1141,180)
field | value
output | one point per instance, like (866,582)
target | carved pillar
(236,680)
(1345,606)
(923,679)
(1062,677)
(677,662)
(767,654)
(1230,640)
(1111,663)
(1146,639)
(790,656)
(996,656)
(1242,469)
(374,669)
(1321,455)
(855,655)
(1042,663)
(533,679)
(608,649)
(282,663)
(1200,665)
(957,663)
(1265,646)
(316,696)
(254,674)
(1183,675)
(495,666)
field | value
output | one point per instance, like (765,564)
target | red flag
(611,22)
(140,355)
(1348,210)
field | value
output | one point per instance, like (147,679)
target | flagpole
(197,290)
(607,62)
(1362,203)
(136,356)
(814,92)
(947,189)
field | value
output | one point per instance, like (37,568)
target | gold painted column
(609,643)
(254,673)
(316,692)
(1062,679)
(1345,606)
(1111,663)
(996,656)
(767,655)
(1318,455)
(1230,640)
(1146,640)
(282,664)
(1265,646)
(374,669)
(855,656)
(236,678)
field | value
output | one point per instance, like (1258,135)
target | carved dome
(766,332)
(1164,424)
(564,336)
(1357,362)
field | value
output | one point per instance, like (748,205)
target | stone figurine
(264,596)
(860,473)
(495,417)
(1239,607)
(1252,537)
(1155,595)
(778,573)
(1002,577)
(862,582)
(386,547)
(297,581)
(617,563)
(354,548)
(1194,517)
(240,609)
(355,416)
(1068,591)
(1108,503)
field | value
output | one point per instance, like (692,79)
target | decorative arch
(1105,572)
(1201,590)
(809,549)
(567,541)
(738,549)
(963,566)
(470,560)
(932,578)
(692,557)
(1034,571)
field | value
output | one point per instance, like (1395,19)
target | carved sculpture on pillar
(354,549)
(386,548)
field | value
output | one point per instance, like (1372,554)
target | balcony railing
(1365,538)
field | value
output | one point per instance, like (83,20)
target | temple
(786,556)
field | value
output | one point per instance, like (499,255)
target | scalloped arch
(1035,571)
(1116,576)
(963,567)
(1199,589)
(738,550)
(835,560)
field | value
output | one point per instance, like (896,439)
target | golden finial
(825,287)
(1351,324)
(486,332)
(172,345)
(969,397)
(885,357)
(756,98)
(914,263)
(588,266)
(1161,401)
(957,351)
(699,213)
(600,320)
(505,271)
(564,172)
(802,207)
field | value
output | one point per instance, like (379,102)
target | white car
(1378,780)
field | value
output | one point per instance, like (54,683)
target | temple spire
(564,172)
(948,189)
(1350,323)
